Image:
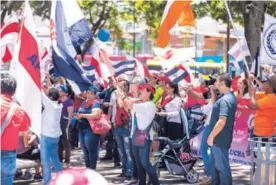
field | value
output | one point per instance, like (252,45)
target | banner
(238,152)
(268,41)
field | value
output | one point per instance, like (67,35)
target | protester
(110,150)
(13,120)
(207,111)
(265,105)
(65,123)
(152,80)
(121,132)
(222,125)
(32,152)
(143,112)
(90,109)
(50,132)
(134,90)
(74,131)
(242,88)
(172,106)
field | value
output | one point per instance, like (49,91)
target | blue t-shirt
(226,105)
(83,123)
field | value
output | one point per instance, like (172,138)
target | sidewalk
(241,174)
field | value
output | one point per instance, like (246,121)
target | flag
(175,10)
(124,67)
(90,72)
(8,36)
(268,41)
(101,67)
(25,67)
(178,73)
(239,50)
(68,30)
(141,69)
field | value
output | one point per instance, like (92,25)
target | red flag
(9,36)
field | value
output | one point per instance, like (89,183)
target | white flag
(25,67)
(239,50)
(268,41)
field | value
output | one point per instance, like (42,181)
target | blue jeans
(141,155)
(204,149)
(220,167)
(49,154)
(90,147)
(8,167)
(122,138)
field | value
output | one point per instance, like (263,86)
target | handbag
(140,137)
(7,119)
(101,125)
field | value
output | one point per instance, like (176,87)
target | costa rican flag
(68,31)
(90,72)
(124,67)
(178,73)
(25,67)
(9,37)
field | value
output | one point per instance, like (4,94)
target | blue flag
(67,31)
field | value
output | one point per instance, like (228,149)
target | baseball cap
(63,88)
(147,86)
(56,75)
(93,89)
(164,78)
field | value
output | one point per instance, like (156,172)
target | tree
(41,8)
(248,13)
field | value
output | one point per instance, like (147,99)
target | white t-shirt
(173,110)
(113,103)
(51,117)
(207,110)
(145,113)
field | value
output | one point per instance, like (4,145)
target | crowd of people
(131,106)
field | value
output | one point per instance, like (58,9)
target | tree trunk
(253,13)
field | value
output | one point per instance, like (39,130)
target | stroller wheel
(192,176)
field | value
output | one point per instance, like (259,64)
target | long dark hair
(175,88)
(245,83)
(71,93)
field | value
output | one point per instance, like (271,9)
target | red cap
(164,78)
(155,75)
(147,86)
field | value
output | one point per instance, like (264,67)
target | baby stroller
(179,162)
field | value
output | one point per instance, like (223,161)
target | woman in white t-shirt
(143,112)
(172,106)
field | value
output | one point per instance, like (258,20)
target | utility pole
(133,47)
(227,44)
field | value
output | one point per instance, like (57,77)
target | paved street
(240,173)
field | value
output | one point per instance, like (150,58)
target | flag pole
(238,40)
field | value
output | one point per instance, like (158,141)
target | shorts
(31,154)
